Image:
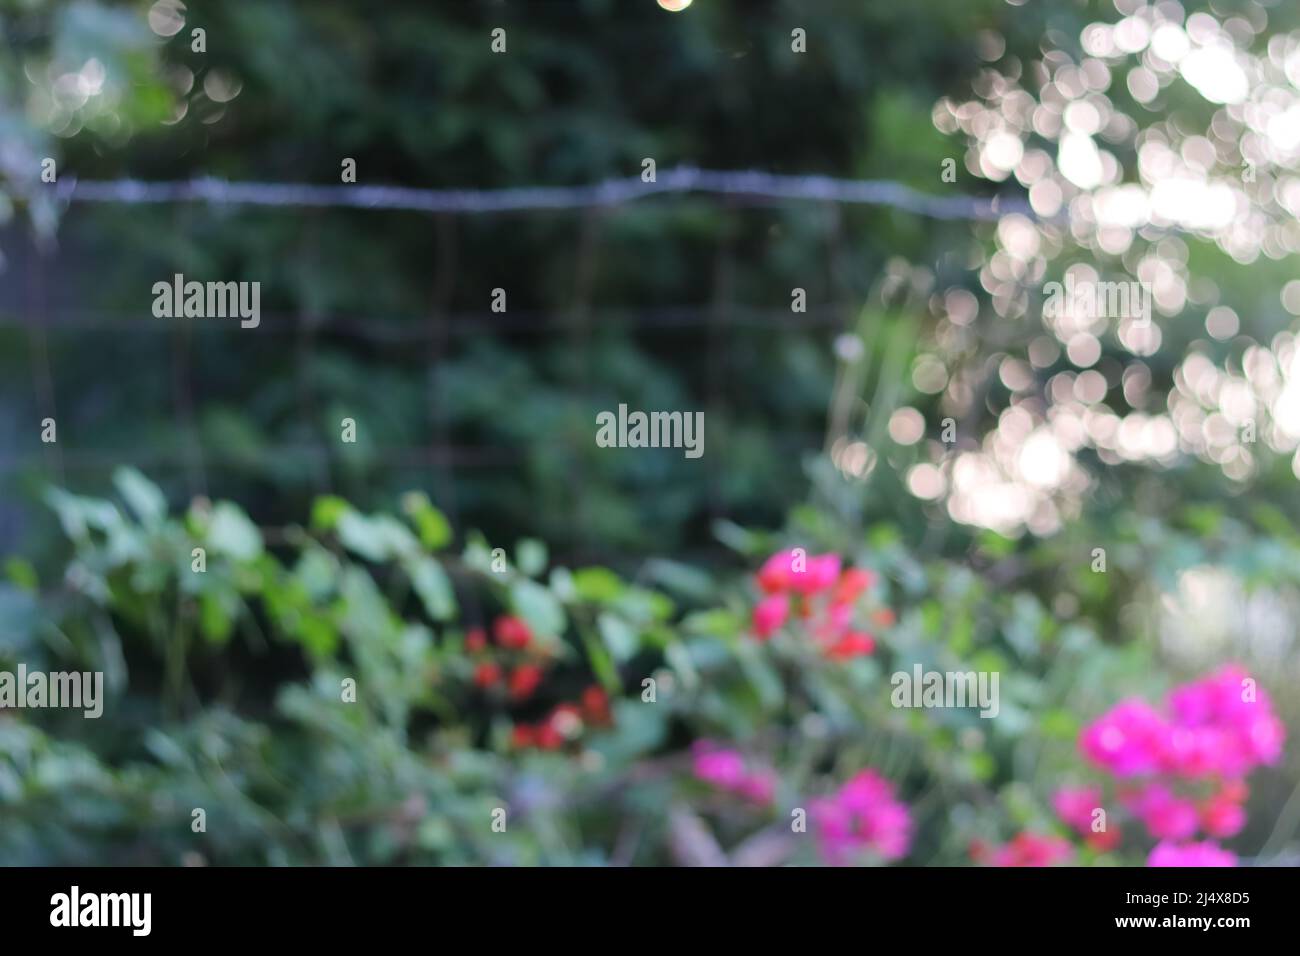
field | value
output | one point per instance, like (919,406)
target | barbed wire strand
(611,192)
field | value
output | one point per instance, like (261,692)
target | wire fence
(752,185)
(427,338)
(399,331)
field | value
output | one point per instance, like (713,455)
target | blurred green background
(1151,141)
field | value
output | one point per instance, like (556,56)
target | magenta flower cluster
(862,819)
(728,770)
(1180,768)
(1208,853)
(1221,725)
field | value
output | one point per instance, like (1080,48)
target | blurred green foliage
(324,564)
(384,317)
(237,699)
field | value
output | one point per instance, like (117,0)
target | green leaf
(1203,519)
(538,606)
(996,545)
(597,585)
(601,662)
(142,495)
(477,553)
(1059,724)
(882,537)
(317,571)
(22,574)
(618,637)
(561,582)
(638,604)
(230,532)
(718,622)
(639,728)
(982,766)
(530,557)
(216,619)
(431,524)
(433,586)
(1273,520)
(691,582)
(317,634)
(760,673)
(327,511)
(376,538)
(735,537)
(961,633)
(678,656)
(77,514)
(166,749)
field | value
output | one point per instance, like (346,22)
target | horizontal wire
(611,192)
(398,329)
(396,457)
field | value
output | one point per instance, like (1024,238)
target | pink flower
(1201,751)
(1230,722)
(770,614)
(1222,817)
(726,769)
(836,621)
(1029,849)
(862,817)
(819,574)
(814,590)
(759,786)
(1217,728)
(1075,806)
(775,574)
(722,768)
(1127,740)
(1208,853)
(1166,816)
(1221,725)
(865,790)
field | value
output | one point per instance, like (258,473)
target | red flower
(475,640)
(774,575)
(523,736)
(850,586)
(487,674)
(1103,841)
(549,736)
(1029,849)
(512,632)
(595,705)
(1235,791)
(852,644)
(524,680)
(770,614)
(1222,817)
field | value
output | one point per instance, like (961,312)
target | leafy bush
(356,690)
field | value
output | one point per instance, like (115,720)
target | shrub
(358,690)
